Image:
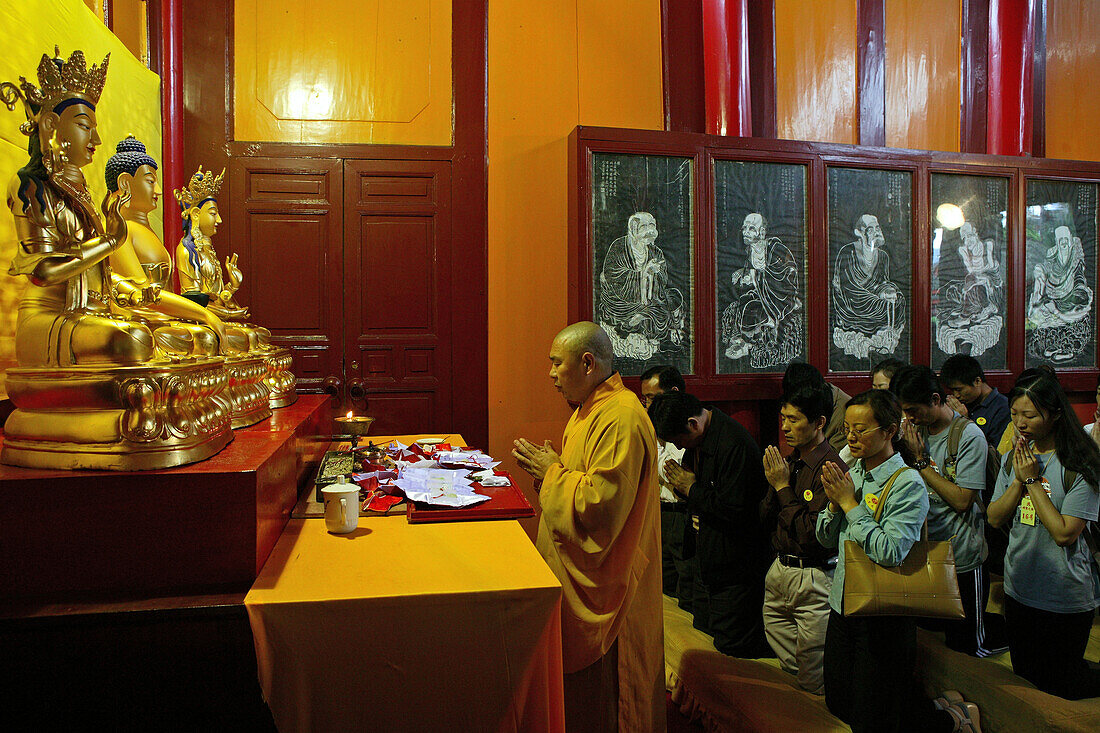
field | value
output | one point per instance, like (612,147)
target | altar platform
(196,528)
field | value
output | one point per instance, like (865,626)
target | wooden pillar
(1011,50)
(871,50)
(726,67)
(171,106)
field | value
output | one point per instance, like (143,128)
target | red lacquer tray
(506,502)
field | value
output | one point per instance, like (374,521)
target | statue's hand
(235,276)
(116,225)
(150,294)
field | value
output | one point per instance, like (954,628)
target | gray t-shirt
(1039,573)
(966,530)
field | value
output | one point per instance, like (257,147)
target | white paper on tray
(495,481)
(438,487)
(468,457)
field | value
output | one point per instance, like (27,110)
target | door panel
(397,248)
(291,244)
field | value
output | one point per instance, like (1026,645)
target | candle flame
(349,413)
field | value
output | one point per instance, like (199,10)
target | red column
(171,111)
(726,67)
(1011,46)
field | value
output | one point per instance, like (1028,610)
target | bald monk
(600,533)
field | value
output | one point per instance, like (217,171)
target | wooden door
(397,292)
(289,241)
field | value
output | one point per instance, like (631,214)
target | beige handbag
(923,585)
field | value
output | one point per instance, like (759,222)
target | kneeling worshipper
(600,533)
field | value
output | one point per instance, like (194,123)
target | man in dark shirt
(971,397)
(796,588)
(799,373)
(723,481)
(675,570)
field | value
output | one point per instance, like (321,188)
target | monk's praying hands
(534,459)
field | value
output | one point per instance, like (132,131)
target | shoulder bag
(923,585)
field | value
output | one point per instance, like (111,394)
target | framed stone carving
(642,210)
(1060,299)
(968,229)
(870,250)
(760,235)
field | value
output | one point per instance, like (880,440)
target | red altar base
(207,525)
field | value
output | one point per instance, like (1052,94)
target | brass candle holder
(354,425)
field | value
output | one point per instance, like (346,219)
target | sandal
(966,713)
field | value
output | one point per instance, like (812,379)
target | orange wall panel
(815,70)
(922,74)
(1073,67)
(551,66)
(126,22)
(381,73)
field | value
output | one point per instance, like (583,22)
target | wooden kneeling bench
(730,694)
(1006,702)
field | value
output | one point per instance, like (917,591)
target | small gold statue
(143,263)
(95,387)
(201,280)
(200,272)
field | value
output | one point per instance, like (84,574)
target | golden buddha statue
(95,387)
(201,280)
(143,262)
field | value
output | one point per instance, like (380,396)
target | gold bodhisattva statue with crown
(99,385)
(143,262)
(201,280)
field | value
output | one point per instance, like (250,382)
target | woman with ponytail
(1047,492)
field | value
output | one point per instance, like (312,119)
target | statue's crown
(204,185)
(60,79)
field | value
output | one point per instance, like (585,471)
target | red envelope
(370,484)
(380,502)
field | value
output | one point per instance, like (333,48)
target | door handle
(331,386)
(357,390)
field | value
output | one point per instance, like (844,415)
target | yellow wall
(130,103)
(1072,91)
(552,65)
(815,70)
(362,71)
(922,74)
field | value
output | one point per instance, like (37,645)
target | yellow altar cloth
(400,627)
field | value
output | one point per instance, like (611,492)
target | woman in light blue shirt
(1047,491)
(869,659)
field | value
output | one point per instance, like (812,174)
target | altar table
(397,627)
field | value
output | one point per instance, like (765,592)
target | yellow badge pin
(808,495)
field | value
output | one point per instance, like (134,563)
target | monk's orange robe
(600,532)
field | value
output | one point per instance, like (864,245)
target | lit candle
(353,424)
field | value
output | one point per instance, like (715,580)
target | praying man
(600,533)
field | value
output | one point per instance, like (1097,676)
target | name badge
(871,500)
(1027,512)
